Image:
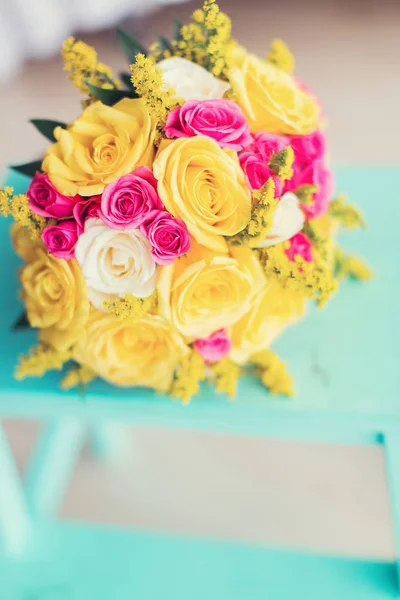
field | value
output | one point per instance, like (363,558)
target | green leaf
(28,168)
(165,44)
(126,80)
(47,127)
(110,97)
(129,45)
(21,323)
(177,29)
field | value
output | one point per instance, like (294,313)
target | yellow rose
(271,99)
(55,296)
(24,245)
(205,186)
(145,353)
(203,292)
(103,144)
(272,309)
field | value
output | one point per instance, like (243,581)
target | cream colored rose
(272,309)
(203,292)
(55,297)
(103,144)
(145,353)
(205,186)
(287,220)
(191,81)
(115,262)
(270,98)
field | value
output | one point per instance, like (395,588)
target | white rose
(115,262)
(288,220)
(191,81)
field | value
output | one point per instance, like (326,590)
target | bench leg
(52,464)
(15,521)
(391,445)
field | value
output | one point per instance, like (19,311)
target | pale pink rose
(214,347)
(86,208)
(45,200)
(318,174)
(125,203)
(254,159)
(168,236)
(222,120)
(299,245)
(61,239)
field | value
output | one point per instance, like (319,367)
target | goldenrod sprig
(80,61)
(347,265)
(41,358)
(315,280)
(189,375)
(272,372)
(148,82)
(346,214)
(226,374)
(281,163)
(280,56)
(130,308)
(305,193)
(206,41)
(77,376)
(18,207)
(263,208)
(217,29)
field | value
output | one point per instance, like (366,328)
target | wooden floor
(322,497)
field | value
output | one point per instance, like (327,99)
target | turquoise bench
(345,362)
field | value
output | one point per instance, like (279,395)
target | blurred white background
(292,494)
(348,51)
(32,29)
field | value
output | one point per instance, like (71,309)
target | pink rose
(214,347)
(168,237)
(257,172)
(299,245)
(254,159)
(307,148)
(86,208)
(309,168)
(46,200)
(318,174)
(61,239)
(221,120)
(266,144)
(125,203)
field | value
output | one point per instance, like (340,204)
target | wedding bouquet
(182,220)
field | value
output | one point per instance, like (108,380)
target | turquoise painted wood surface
(344,358)
(345,361)
(83,563)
